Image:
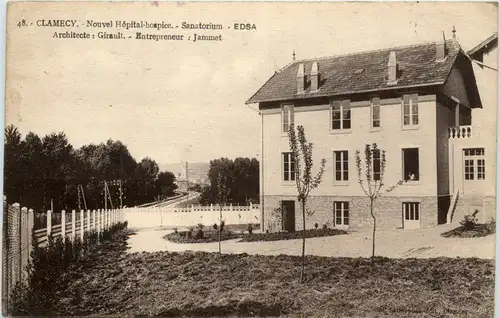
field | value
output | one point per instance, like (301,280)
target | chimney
(314,77)
(441,49)
(392,67)
(301,79)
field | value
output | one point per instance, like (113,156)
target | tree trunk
(303,241)
(374,229)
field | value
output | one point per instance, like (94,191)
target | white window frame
(478,160)
(345,105)
(372,113)
(344,207)
(344,157)
(287,113)
(291,173)
(412,209)
(411,99)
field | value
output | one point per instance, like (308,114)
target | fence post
(106,213)
(49,222)
(88,220)
(230,207)
(99,226)
(211,207)
(31,225)
(63,225)
(94,222)
(251,206)
(17,245)
(23,257)
(82,224)
(73,224)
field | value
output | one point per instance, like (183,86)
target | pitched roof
(483,45)
(362,72)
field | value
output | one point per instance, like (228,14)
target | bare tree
(305,182)
(371,180)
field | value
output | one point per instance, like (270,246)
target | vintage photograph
(260,159)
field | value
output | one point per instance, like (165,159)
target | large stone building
(429,106)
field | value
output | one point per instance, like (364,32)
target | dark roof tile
(417,67)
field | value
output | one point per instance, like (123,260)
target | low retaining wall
(149,218)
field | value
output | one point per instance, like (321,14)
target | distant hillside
(196,170)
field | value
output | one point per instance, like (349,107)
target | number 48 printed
(22,23)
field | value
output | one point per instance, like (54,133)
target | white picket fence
(191,216)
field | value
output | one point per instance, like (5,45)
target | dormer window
(286,117)
(340,114)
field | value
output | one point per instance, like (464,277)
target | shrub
(189,233)
(199,232)
(469,222)
(215,226)
(325,227)
(175,230)
(491,226)
(45,271)
(222,223)
(316,225)
(250,228)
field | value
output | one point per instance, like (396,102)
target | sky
(185,101)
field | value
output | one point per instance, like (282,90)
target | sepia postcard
(250,159)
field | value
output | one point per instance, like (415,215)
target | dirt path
(421,243)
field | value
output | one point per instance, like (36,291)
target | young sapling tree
(371,180)
(301,171)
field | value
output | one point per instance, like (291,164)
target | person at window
(411,176)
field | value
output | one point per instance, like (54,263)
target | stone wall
(468,204)
(388,211)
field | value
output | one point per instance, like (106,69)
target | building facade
(411,101)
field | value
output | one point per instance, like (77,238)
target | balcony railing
(460,132)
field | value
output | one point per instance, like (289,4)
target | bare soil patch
(207,284)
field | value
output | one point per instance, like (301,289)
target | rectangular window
(376,164)
(411,211)
(341,212)
(411,166)
(341,114)
(474,164)
(286,117)
(375,112)
(288,167)
(341,165)
(410,109)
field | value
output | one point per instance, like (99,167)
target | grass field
(206,284)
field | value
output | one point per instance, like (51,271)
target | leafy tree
(13,152)
(304,180)
(371,180)
(165,184)
(39,170)
(146,173)
(243,174)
